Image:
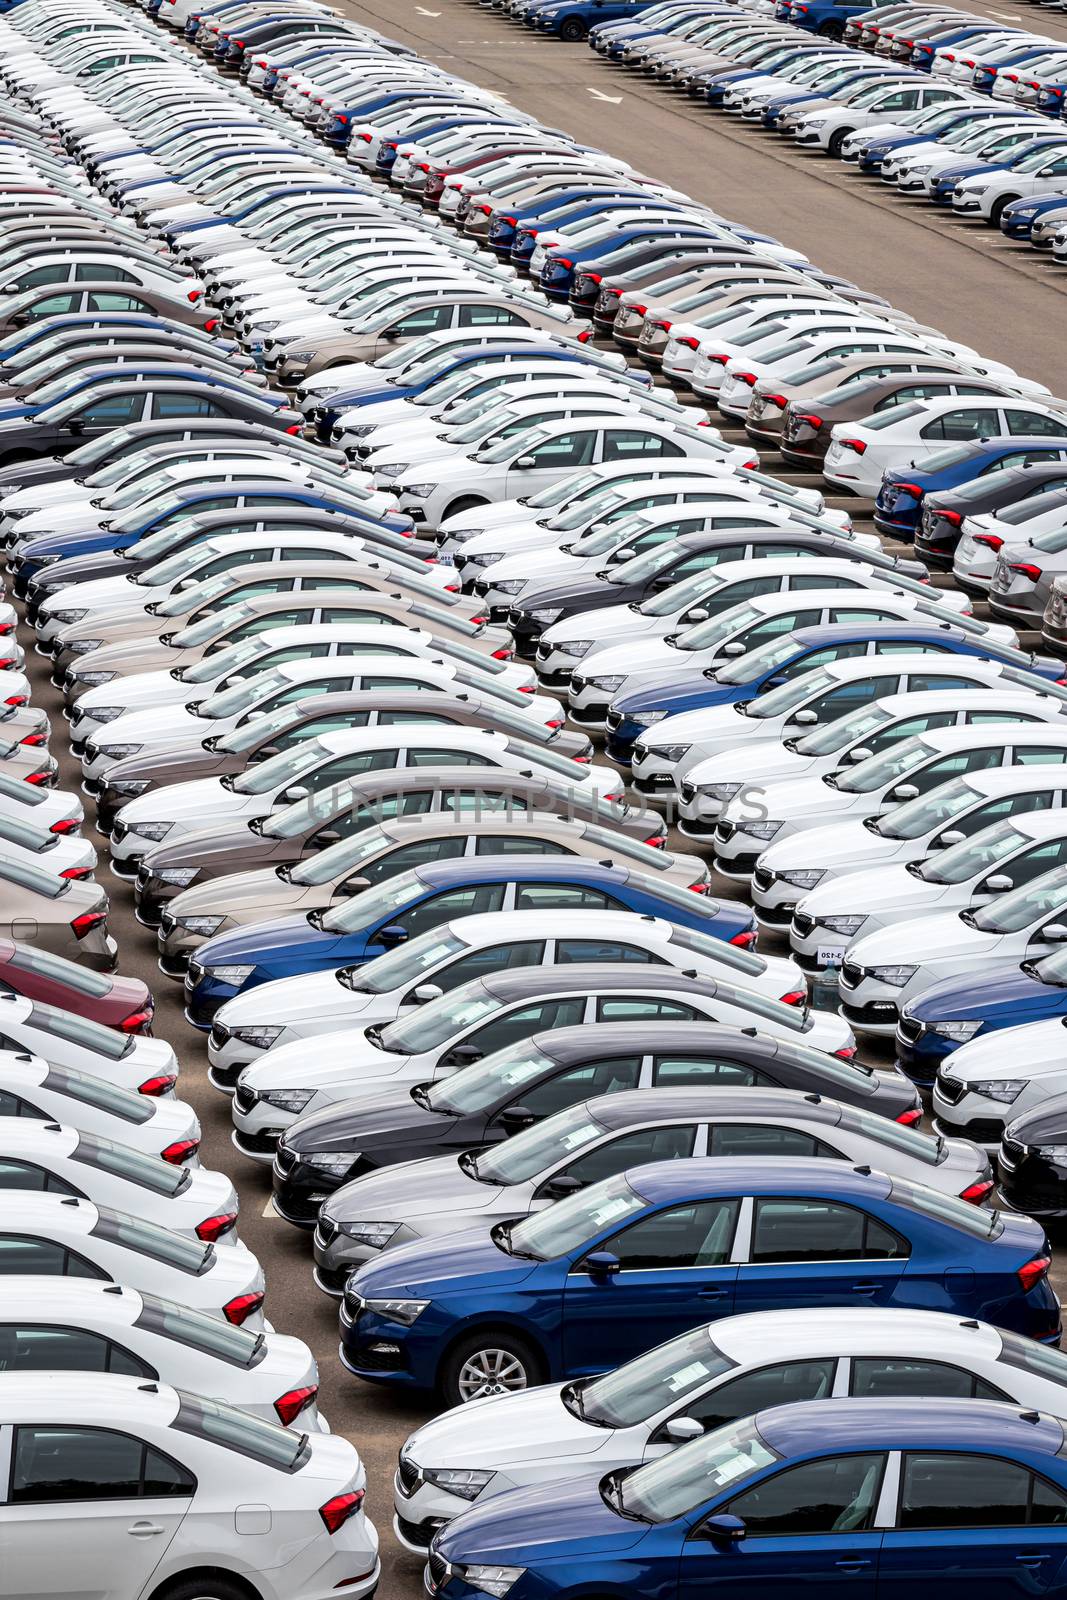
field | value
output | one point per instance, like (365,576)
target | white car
(905,771)
(909,833)
(58,810)
(989,1081)
(75,1324)
(37,1086)
(60,1235)
(1007,855)
(24,844)
(852,739)
(664,755)
(883,971)
(314,764)
(700,1381)
(483,1016)
(829,127)
(195,1201)
(433,963)
(1024,527)
(1042,173)
(229,1491)
(860,452)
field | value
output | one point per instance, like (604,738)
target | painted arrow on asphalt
(612,99)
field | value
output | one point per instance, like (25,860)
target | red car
(122,1003)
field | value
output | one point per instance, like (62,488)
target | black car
(1033,1161)
(81,347)
(940,526)
(639,581)
(483,1103)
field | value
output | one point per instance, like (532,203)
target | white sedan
(152,1124)
(989,1081)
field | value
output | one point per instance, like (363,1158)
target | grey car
(1022,587)
(66,917)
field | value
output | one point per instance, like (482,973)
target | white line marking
(612,99)
(424,13)
(268,1209)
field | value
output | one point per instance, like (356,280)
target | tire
(505,1363)
(213,1586)
(836,142)
(998,208)
(831,30)
(573,31)
(468,503)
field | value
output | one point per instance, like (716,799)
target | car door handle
(711,1294)
(1031,1560)
(851,1564)
(866,1288)
(144,1530)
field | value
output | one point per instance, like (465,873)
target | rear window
(240,1431)
(147,1172)
(1040,1359)
(925,1147)
(946,1208)
(196,1329)
(97,1092)
(23,958)
(77,1030)
(149,1239)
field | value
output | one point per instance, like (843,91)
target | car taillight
(502,655)
(859,445)
(193,296)
(336,1512)
(16,700)
(213,1228)
(583,761)
(1033,84)
(909,1118)
(211,324)
(657,841)
(700,888)
(527,688)
(992,541)
(593,277)
(1012,77)
(794,997)
(564,261)
(87,922)
(690,343)
(342,119)
(34,739)
(37,778)
(778,400)
(6,628)
(1027,569)
(745,940)
(76,873)
(639,310)
(162,1083)
(294,429)
(810,418)
(1033,1271)
(953,517)
(289,1405)
(242,1306)
(746,377)
(554,722)
(136,1021)
(976,1192)
(65,825)
(180,1151)
(846,1052)
(751,466)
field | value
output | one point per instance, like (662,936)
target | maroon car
(122,1003)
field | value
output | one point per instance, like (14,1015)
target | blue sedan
(964,1499)
(631,1261)
(787,657)
(381,918)
(898,508)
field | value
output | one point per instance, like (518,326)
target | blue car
(557,273)
(825,17)
(514,238)
(924,50)
(948,119)
(573,19)
(636,1259)
(380,918)
(961,1498)
(954,1011)
(787,657)
(1014,154)
(898,507)
(1017,219)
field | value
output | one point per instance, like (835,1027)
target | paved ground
(953,275)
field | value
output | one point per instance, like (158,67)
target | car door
(83,1505)
(813,1252)
(808,1529)
(560,1091)
(473,900)
(521,1022)
(783,1383)
(975,1527)
(565,452)
(674,1272)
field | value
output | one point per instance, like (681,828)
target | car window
(837,1494)
(783,1385)
(568,450)
(672,1071)
(431,756)
(582,1083)
(13,1105)
(818,1230)
(524,1021)
(955,1490)
(631,1150)
(562,897)
(68,1463)
(21,1254)
(755,1139)
(114,411)
(1033,423)
(483,963)
(411,855)
(27,1175)
(32,1348)
(637,1008)
(887,1377)
(977,423)
(578,951)
(623,444)
(438,908)
(693,1235)
(475,316)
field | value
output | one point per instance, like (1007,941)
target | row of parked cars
(336,751)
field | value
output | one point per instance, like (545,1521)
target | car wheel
(210,1587)
(572,30)
(494,1362)
(837,140)
(468,503)
(998,208)
(831,30)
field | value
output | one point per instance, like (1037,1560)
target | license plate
(830,955)
(834,453)
(446,559)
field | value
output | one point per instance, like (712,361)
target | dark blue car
(955,1011)
(960,1498)
(382,917)
(898,508)
(603,1275)
(1017,219)
(573,19)
(787,657)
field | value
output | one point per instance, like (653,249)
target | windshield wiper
(374,1036)
(612,1487)
(501,1237)
(468,1165)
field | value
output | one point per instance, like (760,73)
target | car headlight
(484,558)
(375,1235)
(128,788)
(669,752)
(89,680)
(549,615)
(494,1580)
(845,925)
(721,791)
(1003,1089)
(103,713)
(759,830)
(336,1162)
(299,355)
(152,830)
(1026,211)
(69,616)
(609,685)
(572,647)
(461,1481)
(804,877)
(405,1311)
(205,925)
(896,977)
(116,752)
(959,1032)
(81,647)
(1051,1152)
(179,876)
(645,719)
(510,586)
(323,394)
(287,1099)
(419,490)
(920,167)
(461,535)
(234,976)
(388,472)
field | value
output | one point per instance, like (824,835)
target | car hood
(415,1188)
(143,689)
(582,596)
(805,797)
(519,1427)
(839,848)
(694,686)
(387,1116)
(236,896)
(525,1526)
(936,938)
(768,760)
(1040,1045)
(265,938)
(345,1052)
(145,726)
(713,723)
(307,997)
(642,655)
(167,766)
(204,797)
(468,1262)
(1007,991)
(889,888)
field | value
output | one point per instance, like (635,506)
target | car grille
(909,1029)
(256,1143)
(438,1567)
(244,1099)
(284,1157)
(419,1533)
(1011,1151)
(353,1304)
(851,975)
(951,1089)
(408,1477)
(219,1035)
(803,924)
(326,1231)
(762,878)
(724,831)
(120,830)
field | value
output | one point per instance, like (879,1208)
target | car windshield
(398,968)
(243,696)
(192,596)
(504,449)
(756,664)
(527,1154)
(841,731)
(56,1023)
(644,566)
(916,817)
(587,507)
(481,1085)
(440,1020)
(615,537)
(685,1478)
(558,493)
(277,771)
(878,770)
(789,696)
(223,662)
(211,1336)
(166,574)
(29,958)
(966,860)
(570,1224)
(1019,908)
(88,1090)
(946,1208)
(664,1377)
(133,1166)
(706,635)
(340,858)
(368,908)
(941,460)
(263,727)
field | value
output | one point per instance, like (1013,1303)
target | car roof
(29,1295)
(855,1330)
(902,1423)
(627,1038)
(655,1105)
(50,1213)
(509,986)
(90,1398)
(490,927)
(676,1180)
(442,874)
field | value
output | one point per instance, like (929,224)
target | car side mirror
(559,1188)
(903,791)
(326,837)
(1055,933)
(186,583)
(525,462)
(464,1054)
(601,1265)
(75,425)
(289,796)
(680,1430)
(999,883)
(352,886)
(860,753)
(953,836)
(806,718)
(625,554)
(426,992)
(391,335)
(515,1119)
(734,648)
(723,1529)
(392,933)
(698,614)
